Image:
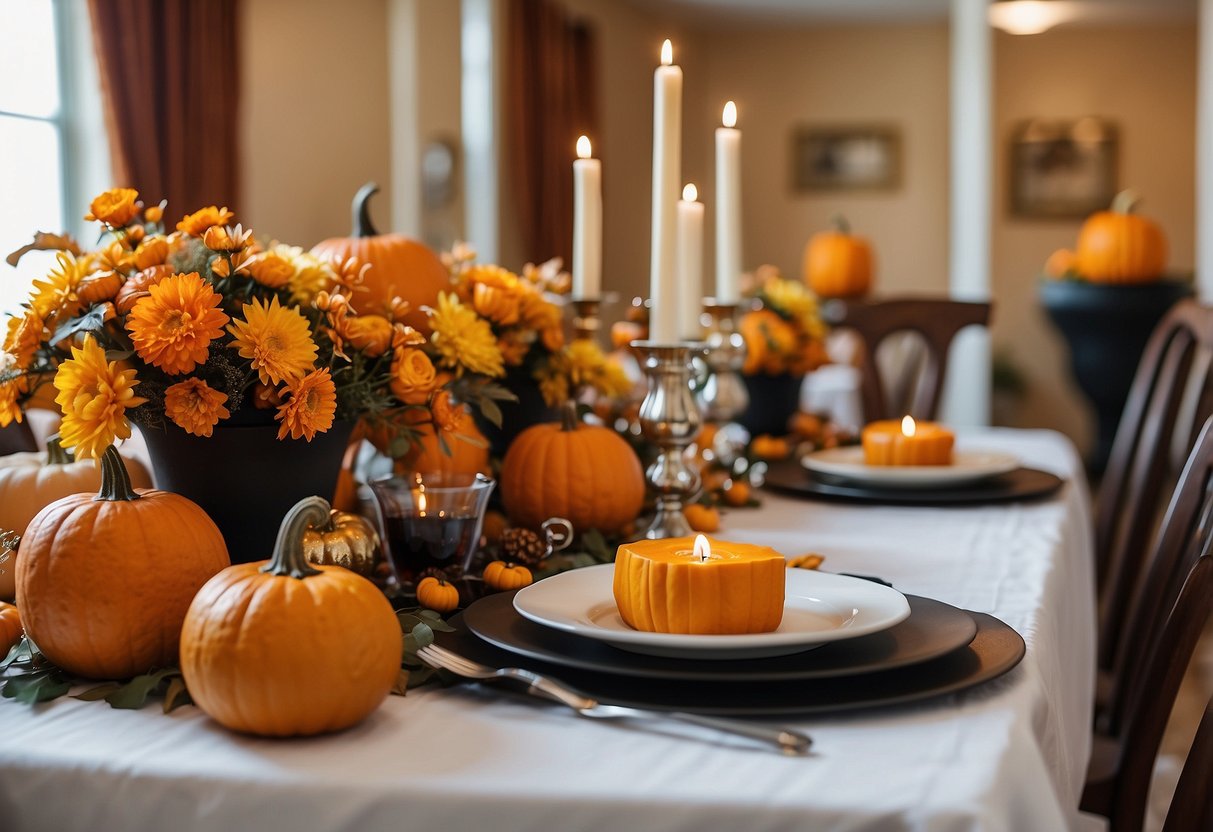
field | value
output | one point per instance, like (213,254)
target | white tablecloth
(1007,756)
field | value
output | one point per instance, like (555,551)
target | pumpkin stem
(289,558)
(840,224)
(115,481)
(56,454)
(568,416)
(1125,202)
(361,212)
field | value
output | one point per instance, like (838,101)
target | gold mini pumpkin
(347,540)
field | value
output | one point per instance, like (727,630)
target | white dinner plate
(819,607)
(967,466)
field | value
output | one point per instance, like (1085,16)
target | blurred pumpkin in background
(838,264)
(1119,246)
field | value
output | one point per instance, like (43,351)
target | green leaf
(36,687)
(424,635)
(490,411)
(595,544)
(134,694)
(97,692)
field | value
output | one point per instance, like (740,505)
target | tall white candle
(667,171)
(690,263)
(728,208)
(587,223)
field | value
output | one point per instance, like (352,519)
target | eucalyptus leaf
(134,694)
(97,692)
(423,634)
(490,411)
(36,687)
(440,626)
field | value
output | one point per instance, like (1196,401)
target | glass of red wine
(430,520)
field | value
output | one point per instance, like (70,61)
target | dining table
(1009,754)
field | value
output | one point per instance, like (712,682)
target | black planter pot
(244,477)
(1107,328)
(773,400)
(530,409)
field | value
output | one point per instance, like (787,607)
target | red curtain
(551,99)
(170,77)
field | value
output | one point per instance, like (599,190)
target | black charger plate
(995,650)
(932,630)
(790,477)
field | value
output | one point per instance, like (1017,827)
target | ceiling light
(1027,17)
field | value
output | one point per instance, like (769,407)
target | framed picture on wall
(1062,169)
(850,158)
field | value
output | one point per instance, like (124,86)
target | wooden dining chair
(1166,621)
(17,437)
(1140,472)
(936,320)
(1192,804)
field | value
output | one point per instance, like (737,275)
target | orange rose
(269,268)
(116,207)
(151,252)
(370,333)
(413,376)
(448,416)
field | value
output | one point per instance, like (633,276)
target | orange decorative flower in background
(54,297)
(370,333)
(153,251)
(310,408)
(276,339)
(272,269)
(195,407)
(94,396)
(116,207)
(173,328)
(448,416)
(413,376)
(197,223)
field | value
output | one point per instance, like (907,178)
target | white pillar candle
(667,171)
(728,208)
(587,223)
(690,263)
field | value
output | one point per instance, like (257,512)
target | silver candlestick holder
(670,419)
(723,396)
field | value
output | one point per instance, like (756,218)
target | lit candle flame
(421,503)
(703,549)
(729,117)
(907,426)
(667,53)
(583,147)
(690,193)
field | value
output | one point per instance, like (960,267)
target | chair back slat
(1192,804)
(936,320)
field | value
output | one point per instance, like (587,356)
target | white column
(967,391)
(1204,154)
(481,20)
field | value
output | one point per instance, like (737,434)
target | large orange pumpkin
(400,266)
(586,474)
(31,481)
(469,450)
(1118,246)
(284,648)
(104,580)
(838,264)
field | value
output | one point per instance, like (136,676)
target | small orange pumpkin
(503,576)
(584,473)
(399,266)
(770,447)
(438,595)
(838,264)
(702,518)
(737,493)
(1061,263)
(10,628)
(99,287)
(283,648)
(1118,246)
(104,580)
(136,286)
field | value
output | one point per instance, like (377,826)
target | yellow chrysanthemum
(464,340)
(195,407)
(310,408)
(276,339)
(116,207)
(554,387)
(197,223)
(794,300)
(173,328)
(54,297)
(94,396)
(312,274)
(22,339)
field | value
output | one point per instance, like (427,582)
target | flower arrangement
(192,324)
(785,333)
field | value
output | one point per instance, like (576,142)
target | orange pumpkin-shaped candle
(838,264)
(104,580)
(399,266)
(890,442)
(1118,246)
(699,585)
(584,473)
(284,648)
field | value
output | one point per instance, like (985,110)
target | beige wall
(1142,78)
(314,115)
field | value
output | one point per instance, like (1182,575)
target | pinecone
(523,546)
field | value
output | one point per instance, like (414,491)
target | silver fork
(786,740)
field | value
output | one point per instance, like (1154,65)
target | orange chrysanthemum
(116,207)
(197,223)
(94,396)
(276,339)
(310,408)
(195,407)
(173,328)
